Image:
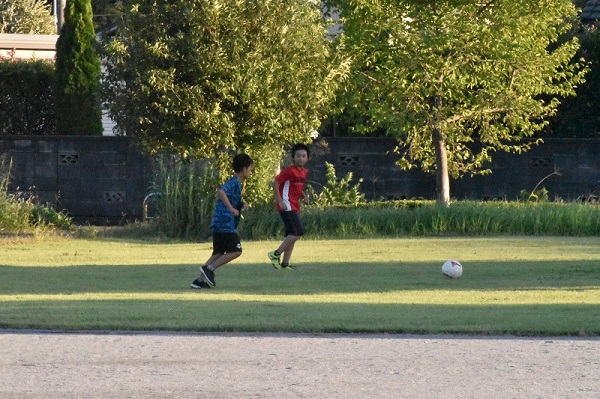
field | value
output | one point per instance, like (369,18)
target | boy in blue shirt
(226,216)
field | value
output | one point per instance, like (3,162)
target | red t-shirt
(291,185)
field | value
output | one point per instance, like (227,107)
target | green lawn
(517,285)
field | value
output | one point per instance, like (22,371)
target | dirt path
(163,365)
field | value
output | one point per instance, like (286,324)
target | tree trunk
(442,181)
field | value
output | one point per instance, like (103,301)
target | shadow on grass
(306,279)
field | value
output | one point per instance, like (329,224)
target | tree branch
(469,114)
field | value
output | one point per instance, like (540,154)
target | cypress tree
(78,73)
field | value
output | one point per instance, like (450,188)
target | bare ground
(37,364)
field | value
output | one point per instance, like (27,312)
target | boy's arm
(221,194)
(278,198)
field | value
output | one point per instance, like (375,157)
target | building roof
(591,11)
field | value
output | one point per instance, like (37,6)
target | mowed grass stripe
(572,295)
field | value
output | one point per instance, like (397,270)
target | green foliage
(19,214)
(208,75)
(474,59)
(539,195)
(426,218)
(257,189)
(108,12)
(27,98)
(27,17)
(337,192)
(459,71)
(578,117)
(48,217)
(78,73)
(186,194)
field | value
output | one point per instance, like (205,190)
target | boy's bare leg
(219,260)
(224,258)
(287,247)
(287,254)
(213,259)
(287,241)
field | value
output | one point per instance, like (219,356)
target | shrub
(78,73)
(27,98)
(337,192)
(20,214)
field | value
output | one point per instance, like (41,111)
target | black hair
(241,161)
(300,146)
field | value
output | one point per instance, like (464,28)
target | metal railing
(147,199)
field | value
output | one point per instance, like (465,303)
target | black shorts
(292,223)
(224,243)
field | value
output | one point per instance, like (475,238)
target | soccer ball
(452,269)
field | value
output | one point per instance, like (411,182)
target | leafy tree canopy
(442,74)
(198,76)
(577,117)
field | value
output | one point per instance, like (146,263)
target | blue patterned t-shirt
(223,220)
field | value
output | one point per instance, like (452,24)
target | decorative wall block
(68,159)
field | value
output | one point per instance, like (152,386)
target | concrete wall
(372,159)
(98,179)
(105,179)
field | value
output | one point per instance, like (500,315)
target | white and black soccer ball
(452,269)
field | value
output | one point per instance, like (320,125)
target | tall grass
(19,214)
(186,197)
(425,218)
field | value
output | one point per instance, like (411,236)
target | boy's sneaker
(287,267)
(274,259)
(200,284)
(209,275)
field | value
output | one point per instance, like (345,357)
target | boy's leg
(213,258)
(200,282)
(226,247)
(294,230)
(287,247)
(287,255)
(224,259)
(208,272)
(210,261)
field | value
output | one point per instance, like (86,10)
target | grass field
(538,286)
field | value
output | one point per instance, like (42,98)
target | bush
(337,192)
(20,214)
(27,98)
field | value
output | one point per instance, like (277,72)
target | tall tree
(441,74)
(200,76)
(78,73)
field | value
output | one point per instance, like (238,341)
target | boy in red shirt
(288,187)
